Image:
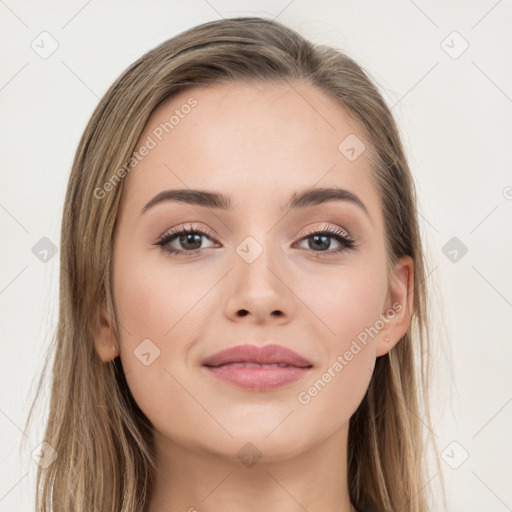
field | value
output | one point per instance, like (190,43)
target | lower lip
(258,379)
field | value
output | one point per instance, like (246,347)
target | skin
(258,144)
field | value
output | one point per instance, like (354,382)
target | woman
(273,363)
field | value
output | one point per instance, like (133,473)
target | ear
(398,307)
(104,340)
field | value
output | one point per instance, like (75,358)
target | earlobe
(105,344)
(399,306)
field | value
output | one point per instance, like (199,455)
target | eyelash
(336,233)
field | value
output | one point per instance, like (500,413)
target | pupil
(324,243)
(189,238)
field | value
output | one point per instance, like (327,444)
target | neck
(196,479)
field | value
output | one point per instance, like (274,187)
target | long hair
(105,454)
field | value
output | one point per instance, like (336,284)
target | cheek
(154,302)
(348,301)
(142,300)
(349,305)
(349,355)
(161,312)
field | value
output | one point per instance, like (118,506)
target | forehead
(250,142)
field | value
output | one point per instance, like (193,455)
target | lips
(260,369)
(252,356)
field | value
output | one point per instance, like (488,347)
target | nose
(259,290)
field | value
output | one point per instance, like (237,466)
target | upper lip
(267,354)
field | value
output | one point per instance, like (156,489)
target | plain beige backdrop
(443,67)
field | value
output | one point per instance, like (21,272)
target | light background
(455,116)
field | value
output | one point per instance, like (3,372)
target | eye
(320,239)
(189,239)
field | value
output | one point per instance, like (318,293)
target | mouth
(256,365)
(257,368)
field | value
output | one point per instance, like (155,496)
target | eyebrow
(304,199)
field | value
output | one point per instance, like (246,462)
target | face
(310,278)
